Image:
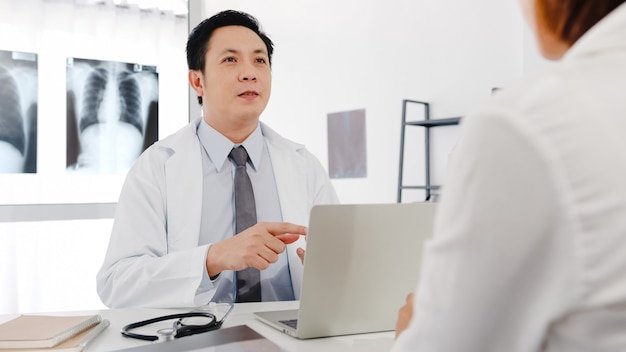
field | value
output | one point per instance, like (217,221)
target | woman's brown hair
(570,19)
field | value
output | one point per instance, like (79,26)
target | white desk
(111,339)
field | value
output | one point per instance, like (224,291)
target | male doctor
(173,242)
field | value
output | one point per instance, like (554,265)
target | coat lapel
(290,169)
(184,189)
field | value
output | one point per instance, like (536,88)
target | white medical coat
(154,259)
(529,246)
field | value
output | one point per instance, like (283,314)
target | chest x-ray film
(18,112)
(112,114)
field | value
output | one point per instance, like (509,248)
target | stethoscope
(178,329)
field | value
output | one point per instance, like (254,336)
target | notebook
(361,262)
(43,331)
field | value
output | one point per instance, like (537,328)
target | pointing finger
(282,228)
(288,238)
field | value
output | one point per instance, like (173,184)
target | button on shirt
(218,220)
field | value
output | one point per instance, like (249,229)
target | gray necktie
(248,280)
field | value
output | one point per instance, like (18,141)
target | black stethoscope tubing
(181,331)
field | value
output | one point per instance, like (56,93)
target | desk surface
(111,339)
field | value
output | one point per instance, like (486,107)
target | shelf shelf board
(421,187)
(436,122)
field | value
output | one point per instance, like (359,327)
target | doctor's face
(236,83)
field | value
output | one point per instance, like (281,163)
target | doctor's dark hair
(198,40)
(570,19)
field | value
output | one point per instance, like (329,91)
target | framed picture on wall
(18,112)
(347,145)
(112,114)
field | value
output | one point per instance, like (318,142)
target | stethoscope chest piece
(166,334)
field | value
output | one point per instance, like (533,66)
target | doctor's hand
(404,315)
(257,247)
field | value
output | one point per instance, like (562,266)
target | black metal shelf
(432,187)
(427,123)
(434,123)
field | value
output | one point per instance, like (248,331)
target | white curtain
(50,266)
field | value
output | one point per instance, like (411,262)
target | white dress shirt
(218,220)
(529,246)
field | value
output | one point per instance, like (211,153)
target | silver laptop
(361,262)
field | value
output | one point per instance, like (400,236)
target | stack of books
(48,332)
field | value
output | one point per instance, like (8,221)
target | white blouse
(529,249)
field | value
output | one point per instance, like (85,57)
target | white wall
(533,61)
(342,55)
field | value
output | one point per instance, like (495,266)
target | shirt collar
(608,34)
(218,146)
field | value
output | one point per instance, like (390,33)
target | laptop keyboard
(293,323)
